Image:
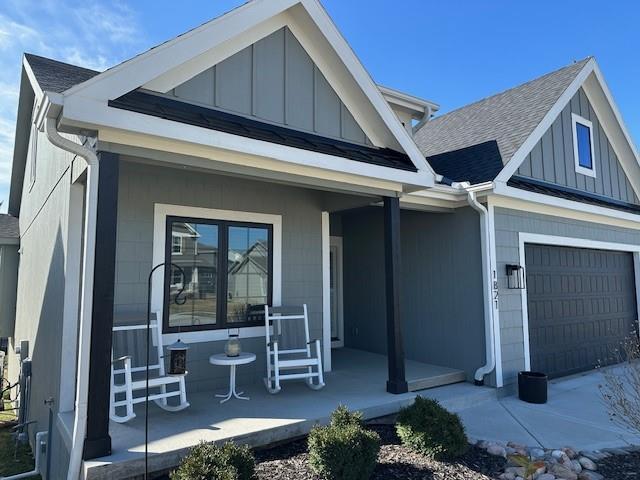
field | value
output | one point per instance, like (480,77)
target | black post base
(96,448)
(397,387)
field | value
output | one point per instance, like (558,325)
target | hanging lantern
(178,358)
(515,277)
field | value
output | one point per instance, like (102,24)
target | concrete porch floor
(358,380)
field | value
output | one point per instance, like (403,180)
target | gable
(275,80)
(552,158)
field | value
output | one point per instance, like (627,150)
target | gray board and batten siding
(552,158)
(441,264)
(508,224)
(275,80)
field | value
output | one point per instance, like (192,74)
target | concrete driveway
(575,416)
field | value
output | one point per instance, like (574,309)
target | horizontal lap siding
(441,304)
(141,186)
(552,158)
(508,223)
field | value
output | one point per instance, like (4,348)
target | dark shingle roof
(212,119)
(476,164)
(537,186)
(507,118)
(55,76)
(9,226)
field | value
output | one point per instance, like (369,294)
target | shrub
(431,430)
(207,461)
(621,386)
(343,449)
(342,417)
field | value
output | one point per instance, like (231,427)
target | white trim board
(161,211)
(519,199)
(326,292)
(591,80)
(541,239)
(575,120)
(521,154)
(495,291)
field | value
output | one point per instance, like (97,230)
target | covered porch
(355,381)
(146,203)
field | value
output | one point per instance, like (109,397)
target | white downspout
(489,323)
(86,301)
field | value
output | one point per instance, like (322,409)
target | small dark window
(583,134)
(228,274)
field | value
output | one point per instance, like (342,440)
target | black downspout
(98,442)
(392,260)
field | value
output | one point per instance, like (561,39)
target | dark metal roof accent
(536,186)
(9,226)
(55,76)
(475,164)
(177,111)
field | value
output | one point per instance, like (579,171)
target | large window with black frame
(228,271)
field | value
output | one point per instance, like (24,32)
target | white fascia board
(518,199)
(610,119)
(143,68)
(199,62)
(521,154)
(85,115)
(366,83)
(411,103)
(32,78)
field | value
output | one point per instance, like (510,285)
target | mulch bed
(289,462)
(620,467)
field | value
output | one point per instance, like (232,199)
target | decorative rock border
(559,464)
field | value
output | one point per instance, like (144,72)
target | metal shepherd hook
(178,301)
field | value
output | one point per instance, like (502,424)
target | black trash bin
(532,387)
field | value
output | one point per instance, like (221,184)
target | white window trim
(161,212)
(575,119)
(33,148)
(541,239)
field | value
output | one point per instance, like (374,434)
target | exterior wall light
(515,277)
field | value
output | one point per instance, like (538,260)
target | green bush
(431,430)
(344,449)
(207,461)
(342,417)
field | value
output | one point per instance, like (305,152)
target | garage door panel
(581,305)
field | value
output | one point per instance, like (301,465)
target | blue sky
(451,52)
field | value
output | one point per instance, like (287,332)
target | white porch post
(326,295)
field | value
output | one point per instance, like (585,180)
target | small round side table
(222,359)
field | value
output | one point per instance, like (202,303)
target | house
(257,154)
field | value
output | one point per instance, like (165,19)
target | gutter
(485,247)
(86,302)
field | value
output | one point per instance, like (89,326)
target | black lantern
(515,277)
(178,358)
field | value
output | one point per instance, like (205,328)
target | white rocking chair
(286,359)
(134,390)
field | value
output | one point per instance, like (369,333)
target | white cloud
(88,33)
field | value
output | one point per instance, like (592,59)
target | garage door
(581,304)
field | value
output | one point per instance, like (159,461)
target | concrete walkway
(575,416)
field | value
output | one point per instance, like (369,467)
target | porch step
(433,381)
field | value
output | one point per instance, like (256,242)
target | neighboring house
(257,154)
(9,244)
